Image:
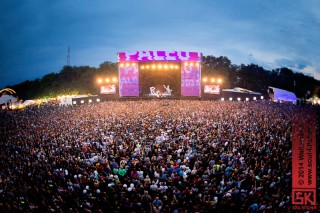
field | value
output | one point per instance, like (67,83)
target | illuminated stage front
(159,74)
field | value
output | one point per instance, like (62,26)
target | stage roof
(283,95)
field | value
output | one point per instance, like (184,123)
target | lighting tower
(68,56)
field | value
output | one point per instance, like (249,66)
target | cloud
(35,35)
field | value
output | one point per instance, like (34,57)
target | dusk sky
(35,35)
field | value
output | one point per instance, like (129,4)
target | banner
(149,56)
(190,80)
(304,161)
(129,80)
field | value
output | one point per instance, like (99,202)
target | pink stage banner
(147,56)
(129,80)
(190,80)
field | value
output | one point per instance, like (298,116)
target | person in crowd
(131,156)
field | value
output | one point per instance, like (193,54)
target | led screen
(108,89)
(190,79)
(212,89)
(128,80)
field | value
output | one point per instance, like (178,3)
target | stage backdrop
(129,70)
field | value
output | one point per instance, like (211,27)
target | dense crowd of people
(143,156)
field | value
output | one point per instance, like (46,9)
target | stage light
(261,97)
(222,99)
(82,101)
(121,65)
(191,64)
(166,66)
(212,80)
(142,67)
(147,66)
(205,79)
(219,80)
(177,67)
(133,64)
(197,64)
(159,66)
(107,80)
(171,66)
(239,99)
(90,100)
(98,99)
(230,99)
(186,63)
(153,66)
(247,99)
(99,80)
(114,79)
(254,98)
(127,64)
(74,102)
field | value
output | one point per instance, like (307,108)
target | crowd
(143,156)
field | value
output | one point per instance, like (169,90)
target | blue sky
(35,35)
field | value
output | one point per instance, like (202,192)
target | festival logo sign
(149,56)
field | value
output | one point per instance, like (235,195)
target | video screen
(212,89)
(190,79)
(108,89)
(128,79)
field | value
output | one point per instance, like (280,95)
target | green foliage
(82,79)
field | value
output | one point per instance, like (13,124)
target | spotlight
(82,101)
(153,66)
(147,66)
(90,100)
(261,97)
(127,64)
(247,99)
(159,66)
(74,102)
(222,99)
(177,67)
(230,99)
(239,99)
(171,66)
(191,64)
(205,79)
(114,79)
(166,66)
(219,80)
(186,63)
(121,65)
(212,80)
(107,80)
(142,67)
(133,64)
(197,64)
(98,99)
(99,80)
(254,98)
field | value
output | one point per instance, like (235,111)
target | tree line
(73,80)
